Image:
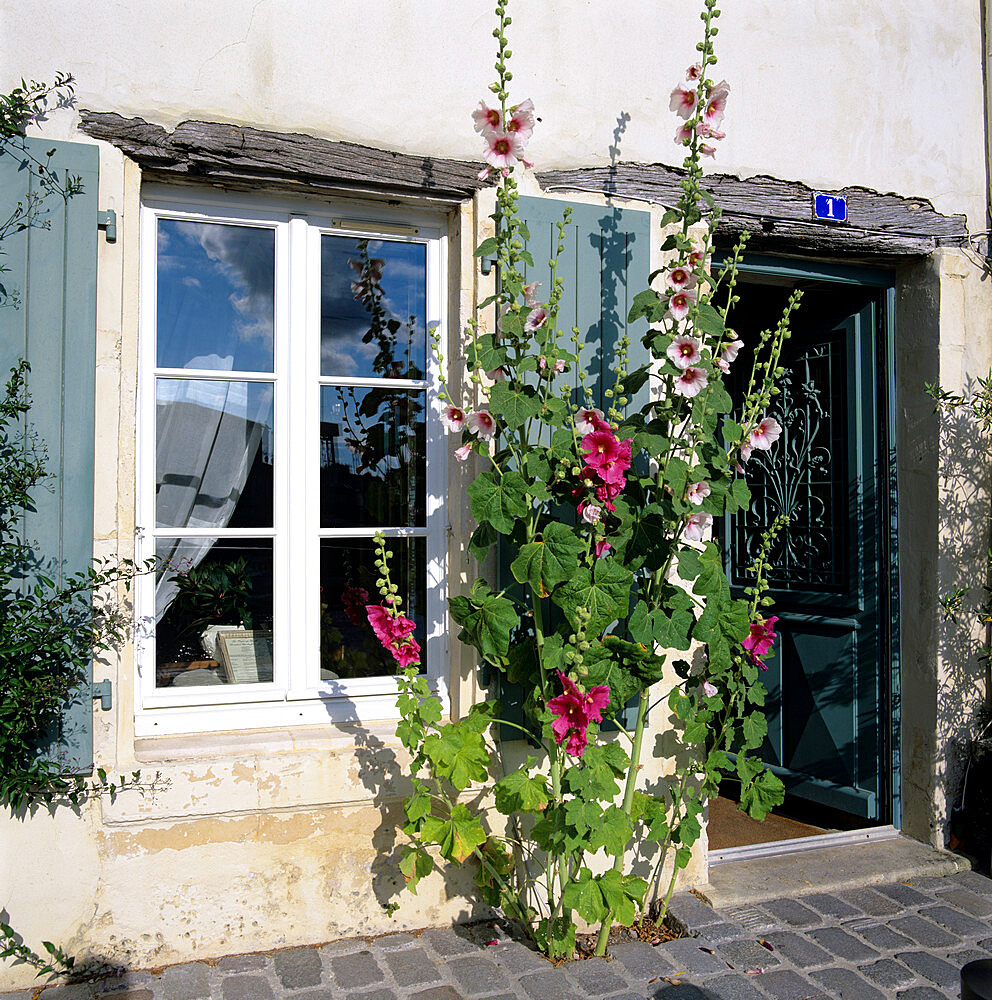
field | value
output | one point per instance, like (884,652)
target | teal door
(829,683)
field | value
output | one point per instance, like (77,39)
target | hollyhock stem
(628,802)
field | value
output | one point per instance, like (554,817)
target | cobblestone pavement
(906,940)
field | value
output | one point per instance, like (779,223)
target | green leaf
(515,406)
(762,794)
(482,540)
(485,353)
(520,792)
(584,895)
(460,835)
(755,729)
(487,246)
(417,806)
(709,321)
(458,754)
(486,619)
(415,864)
(550,560)
(499,501)
(612,832)
(621,894)
(605,592)
(646,303)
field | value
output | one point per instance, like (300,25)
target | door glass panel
(373,308)
(216,296)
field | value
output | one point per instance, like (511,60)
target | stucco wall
(883,93)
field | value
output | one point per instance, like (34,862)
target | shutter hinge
(108,221)
(486,264)
(104,692)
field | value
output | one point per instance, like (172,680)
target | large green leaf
(459,754)
(605,592)
(522,792)
(515,406)
(487,619)
(499,500)
(550,560)
(457,837)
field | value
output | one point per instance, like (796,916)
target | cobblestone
(902,941)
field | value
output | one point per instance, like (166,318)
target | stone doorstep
(826,869)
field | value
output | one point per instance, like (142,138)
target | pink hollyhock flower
(587,421)
(484,173)
(723,365)
(683,133)
(503,149)
(530,293)
(705,131)
(481,422)
(690,383)
(600,449)
(697,253)
(574,710)
(559,366)
(765,434)
(709,689)
(760,640)
(463,452)
(453,418)
(684,351)
(732,349)
(697,525)
(602,547)
(591,513)
(698,492)
(487,120)
(496,375)
(683,101)
(521,120)
(716,104)
(536,318)
(694,72)
(679,278)
(706,149)
(678,304)
(542,363)
(745,454)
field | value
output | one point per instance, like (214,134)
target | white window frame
(296,695)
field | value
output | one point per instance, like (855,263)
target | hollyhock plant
(574,710)
(463,452)
(760,640)
(601,495)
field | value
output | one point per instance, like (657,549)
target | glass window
(287,416)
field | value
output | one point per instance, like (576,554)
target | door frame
(884,280)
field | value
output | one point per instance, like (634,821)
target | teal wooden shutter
(51,269)
(604,264)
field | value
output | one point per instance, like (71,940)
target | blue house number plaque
(829,207)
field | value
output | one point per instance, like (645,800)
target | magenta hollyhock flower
(520,119)
(696,526)
(587,421)
(453,418)
(463,452)
(602,547)
(481,422)
(574,710)
(354,598)
(684,351)
(691,382)
(394,632)
(765,434)
(679,303)
(608,492)
(600,449)
(760,640)
(536,318)
(698,492)
(683,101)
(488,121)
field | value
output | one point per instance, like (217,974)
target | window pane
(372,465)
(213,611)
(348,646)
(372,308)
(213,454)
(216,293)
